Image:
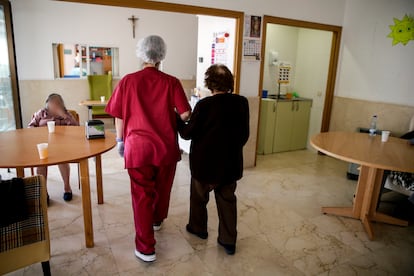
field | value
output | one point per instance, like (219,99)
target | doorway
(187,9)
(309,53)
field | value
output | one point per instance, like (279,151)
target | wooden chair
(75,115)
(27,242)
(100,85)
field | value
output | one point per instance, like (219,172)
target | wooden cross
(133,20)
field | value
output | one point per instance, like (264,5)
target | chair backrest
(27,242)
(100,85)
(75,115)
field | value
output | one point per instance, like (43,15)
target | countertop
(283,98)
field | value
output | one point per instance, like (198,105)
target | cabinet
(284,125)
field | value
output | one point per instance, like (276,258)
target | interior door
(10,115)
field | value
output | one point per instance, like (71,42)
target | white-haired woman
(55,110)
(145,104)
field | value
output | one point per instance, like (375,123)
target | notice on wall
(252,38)
(219,48)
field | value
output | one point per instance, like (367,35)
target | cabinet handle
(274,107)
(297,106)
(293,106)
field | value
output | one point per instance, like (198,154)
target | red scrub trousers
(150,190)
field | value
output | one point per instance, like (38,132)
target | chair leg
(46,268)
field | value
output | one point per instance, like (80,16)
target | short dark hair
(219,78)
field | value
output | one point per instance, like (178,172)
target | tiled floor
(281,228)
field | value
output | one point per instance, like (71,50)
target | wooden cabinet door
(300,124)
(266,127)
(283,126)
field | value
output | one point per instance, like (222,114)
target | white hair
(151,49)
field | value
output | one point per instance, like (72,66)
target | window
(80,60)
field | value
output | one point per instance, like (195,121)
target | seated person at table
(55,110)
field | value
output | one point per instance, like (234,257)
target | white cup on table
(42,148)
(102,99)
(385,134)
(51,126)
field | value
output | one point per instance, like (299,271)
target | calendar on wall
(251,49)
(252,44)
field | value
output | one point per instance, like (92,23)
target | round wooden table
(374,157)
(67,145)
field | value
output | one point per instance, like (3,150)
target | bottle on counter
(373,126)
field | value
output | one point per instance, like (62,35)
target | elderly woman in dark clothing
(55,110)
(218,129)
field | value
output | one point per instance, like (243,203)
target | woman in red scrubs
(145,104)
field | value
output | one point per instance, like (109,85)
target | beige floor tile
(281,230)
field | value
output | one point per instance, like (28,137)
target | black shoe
(201,235)
(229,248)
(67,196)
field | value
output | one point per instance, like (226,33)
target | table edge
(351,160)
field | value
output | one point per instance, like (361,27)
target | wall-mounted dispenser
(273,58)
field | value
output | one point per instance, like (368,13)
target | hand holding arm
(119,126)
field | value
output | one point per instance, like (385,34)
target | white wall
(311,73)
(39,23)
(284,40)
(371,68)
(322,11)
(207,26)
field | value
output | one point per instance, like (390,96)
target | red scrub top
(147,101)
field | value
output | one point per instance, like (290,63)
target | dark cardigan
(218,128)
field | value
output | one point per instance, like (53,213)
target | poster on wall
(252,37)
(219,48)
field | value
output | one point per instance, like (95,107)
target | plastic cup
(102,99)
(264,93)
(43,150)
(384,135)
(51,126)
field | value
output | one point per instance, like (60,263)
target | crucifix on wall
(133,20)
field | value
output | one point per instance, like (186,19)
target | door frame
(333,61)
(188,9)
(12,63)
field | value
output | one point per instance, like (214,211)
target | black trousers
(226,202)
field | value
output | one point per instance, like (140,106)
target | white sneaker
(145,257)
(156,226)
